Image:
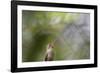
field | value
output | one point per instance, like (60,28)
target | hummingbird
(49,53)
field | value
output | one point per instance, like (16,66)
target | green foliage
(40,28)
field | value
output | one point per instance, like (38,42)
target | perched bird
(49,53)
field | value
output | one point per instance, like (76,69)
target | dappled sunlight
(68,32)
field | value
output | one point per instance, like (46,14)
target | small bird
(49,53)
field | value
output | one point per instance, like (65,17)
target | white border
(53,63)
